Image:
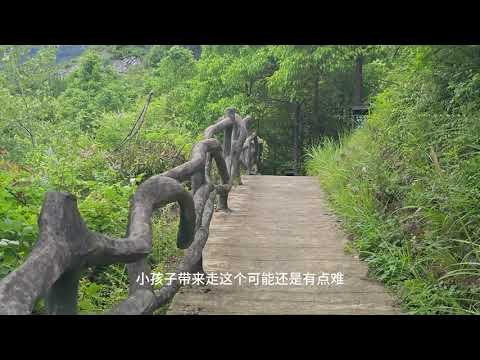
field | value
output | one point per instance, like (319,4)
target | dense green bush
(407,184)
(74,148)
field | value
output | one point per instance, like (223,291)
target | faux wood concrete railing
(66,247)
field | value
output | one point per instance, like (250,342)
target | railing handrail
(66,246)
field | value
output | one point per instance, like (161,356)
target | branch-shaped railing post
(238,138)
(251,157)
(66,247)
(227,137)
(62,297)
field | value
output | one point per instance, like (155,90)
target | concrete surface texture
(281,224)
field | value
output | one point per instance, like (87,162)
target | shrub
(407,188)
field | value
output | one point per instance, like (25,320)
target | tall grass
(420,253)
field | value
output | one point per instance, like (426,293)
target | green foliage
(91,90)
(406,183)
(18,216)
(155,54)
(67,132)
(28,87)
(65,140)
(105,209)
(176,66)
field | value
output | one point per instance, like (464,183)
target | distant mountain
(67,52)
(64,52)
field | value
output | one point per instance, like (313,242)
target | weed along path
(280,252)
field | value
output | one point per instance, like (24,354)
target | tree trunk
(358,87)
(296,138)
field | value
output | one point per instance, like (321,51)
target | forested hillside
(404,178)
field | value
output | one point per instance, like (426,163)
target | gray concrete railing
(66,246)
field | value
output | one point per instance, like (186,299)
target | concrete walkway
(281,224)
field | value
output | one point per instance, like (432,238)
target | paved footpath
(281,224)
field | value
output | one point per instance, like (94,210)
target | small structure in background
(290,172)
(359,114)
(359,109)
(123,65)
